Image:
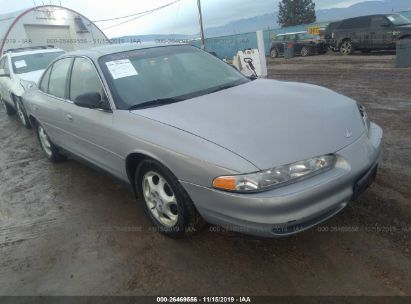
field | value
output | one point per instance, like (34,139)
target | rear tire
(51,151)
(274,53)
(7,108)
(165,201)
(347,48)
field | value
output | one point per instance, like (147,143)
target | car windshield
(398,19)
(155,76)
(33,62)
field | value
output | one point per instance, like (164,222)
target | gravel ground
(66,229)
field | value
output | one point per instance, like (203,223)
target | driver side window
(379,21)
(85,80)
(44,84)
(6,66)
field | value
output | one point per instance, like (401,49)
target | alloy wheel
(20,113)
(346,48)
(274,53)
(160,199)
(304,52)
(45,142)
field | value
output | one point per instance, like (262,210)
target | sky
(179,18)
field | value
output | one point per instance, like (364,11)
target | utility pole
(200,15)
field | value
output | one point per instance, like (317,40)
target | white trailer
(49,25)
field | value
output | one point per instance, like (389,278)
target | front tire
(305,51)
(165,201)
(347,48)
(21,112)
(7,108)
(50,150)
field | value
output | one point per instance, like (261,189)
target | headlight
(276,177)
(365,118)
(26,84)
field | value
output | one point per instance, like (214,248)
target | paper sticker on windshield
(121,68)
(20,64)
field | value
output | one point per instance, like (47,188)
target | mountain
(364,8)
(156,37)
(270,20)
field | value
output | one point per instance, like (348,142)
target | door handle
(69,117)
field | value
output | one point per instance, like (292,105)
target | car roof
(369,16)
(100,51)
(293,33)
(34,51)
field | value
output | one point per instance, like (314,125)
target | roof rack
(23,49)
(292,33)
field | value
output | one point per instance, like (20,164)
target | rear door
(52,90)
(357,30)
(362,29)
(89,132)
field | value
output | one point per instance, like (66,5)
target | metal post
(200,15)
(261,51)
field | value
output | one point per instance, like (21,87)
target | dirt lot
(67,229)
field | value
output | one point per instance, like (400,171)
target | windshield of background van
(140,76)
(33,62)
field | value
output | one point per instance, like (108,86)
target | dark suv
(367,33)
(304,44)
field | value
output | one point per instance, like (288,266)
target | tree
(296,12)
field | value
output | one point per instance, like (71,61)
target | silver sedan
(199,142)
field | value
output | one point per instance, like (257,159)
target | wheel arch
(33,121)
(405,36)
(132,162)
(343,40)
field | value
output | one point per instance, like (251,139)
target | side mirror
(3,73)
(386,24)
(91,100)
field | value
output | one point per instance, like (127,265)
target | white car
(19,68)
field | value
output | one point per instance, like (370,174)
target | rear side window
(84,79)
(58,77)
(355,23)
(44,84)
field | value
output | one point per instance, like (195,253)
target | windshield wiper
(223,87)
(155,103)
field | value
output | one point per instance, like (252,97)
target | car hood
(32,76)
(267,122)
(404,27)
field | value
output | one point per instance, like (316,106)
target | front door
(89,132)
(381,34)
(5,81)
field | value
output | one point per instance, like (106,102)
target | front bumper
(296,207)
